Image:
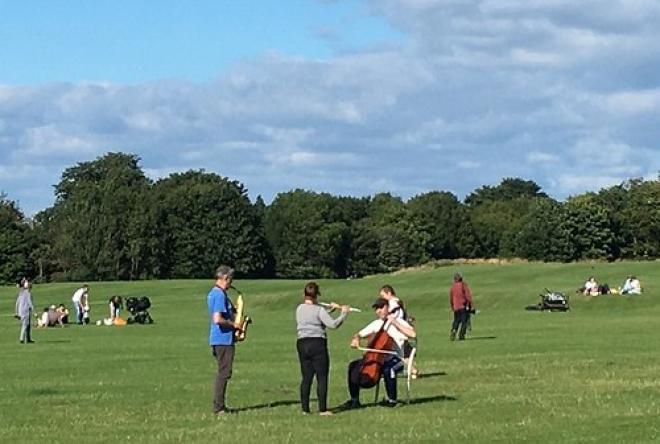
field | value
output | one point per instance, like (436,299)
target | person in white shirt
(399,331)
(80,302)
(632,286)
(396,307)
(590,287)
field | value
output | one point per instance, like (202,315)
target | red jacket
(460,296)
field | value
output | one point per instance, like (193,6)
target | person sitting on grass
(590,288)
(632,286)
(64,313)
(50,318)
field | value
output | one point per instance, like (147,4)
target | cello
(370,370)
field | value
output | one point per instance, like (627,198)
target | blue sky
(349,97)
(129,41)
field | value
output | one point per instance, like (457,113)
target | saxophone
(240,318)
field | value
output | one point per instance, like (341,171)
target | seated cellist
(396,331)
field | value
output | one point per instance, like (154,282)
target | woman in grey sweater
(312,321)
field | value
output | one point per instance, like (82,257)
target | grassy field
(589,375)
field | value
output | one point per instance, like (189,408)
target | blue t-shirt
(218,302)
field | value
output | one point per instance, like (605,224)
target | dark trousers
(391,367)
(314,360)
(224,355)
(461,319)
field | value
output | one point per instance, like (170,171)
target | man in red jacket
(462,305)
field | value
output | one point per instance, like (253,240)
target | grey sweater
(312,320)
(24,306)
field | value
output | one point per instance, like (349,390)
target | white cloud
(562,93)
(469,164)
(50,140)
(540,157)
(631,103)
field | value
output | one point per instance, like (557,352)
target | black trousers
(461,318)
(314,360)
(391,367)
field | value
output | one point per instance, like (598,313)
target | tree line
(110,222)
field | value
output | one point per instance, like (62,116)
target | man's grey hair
(224,272)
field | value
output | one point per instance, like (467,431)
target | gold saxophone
(240,318)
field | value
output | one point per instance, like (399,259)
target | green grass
(589,375)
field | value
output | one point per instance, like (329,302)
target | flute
(351,309)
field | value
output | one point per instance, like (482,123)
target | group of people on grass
(631,285)
(312,320)
(57,315)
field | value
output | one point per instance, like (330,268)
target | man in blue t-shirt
(221,337)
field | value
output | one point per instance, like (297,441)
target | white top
(632,286)
(636,286)
(77,296)
(591,287)
(394,305)
(396,334)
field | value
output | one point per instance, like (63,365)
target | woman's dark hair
(388,289)
(117,300)
(312,290)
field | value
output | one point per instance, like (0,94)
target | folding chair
(406,373)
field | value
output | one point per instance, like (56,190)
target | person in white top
(396,307)
(590,287)
(399,331)
(632,286)
(80,302)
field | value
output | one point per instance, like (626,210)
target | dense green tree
(203,220)
(495,213)
(542,234)
(616,200)
(16,243)
(93,218)
(639,220)
(307,234)
(109,221)
(388,238)
(494,223)
(364,249)
(42,255)
(439,216)
(467,240)
(590,228)
(268,270)
(508,189)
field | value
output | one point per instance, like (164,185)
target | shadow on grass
(430,375)
(428,399)
(44,391)
(281,389)
(402,404)
(480,338)
(266,405)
